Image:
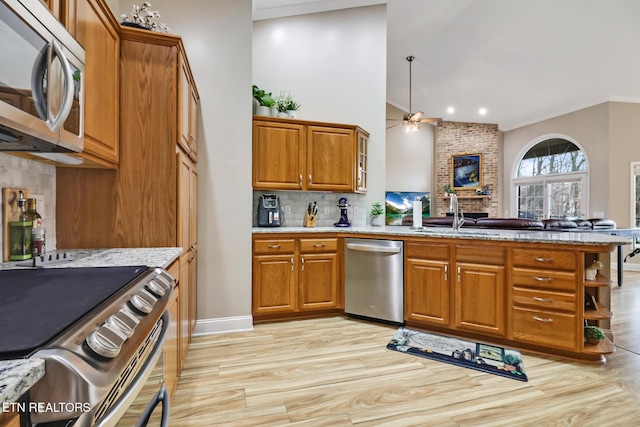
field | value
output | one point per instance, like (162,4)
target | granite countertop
(17,376)
(532,236)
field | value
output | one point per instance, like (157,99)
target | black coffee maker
(269,214)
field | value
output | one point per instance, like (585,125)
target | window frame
(545,180)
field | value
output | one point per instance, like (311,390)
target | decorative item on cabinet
(265,101)
(141,17)
(287,106)
(593,334)
(591,271)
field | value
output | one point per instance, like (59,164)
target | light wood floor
(337,372)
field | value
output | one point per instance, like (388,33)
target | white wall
(409,156)
(334,63)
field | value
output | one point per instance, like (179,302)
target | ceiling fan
(411,119)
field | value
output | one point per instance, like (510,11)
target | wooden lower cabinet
(427,291)
(295,275)
(171,346)
(9,419)
(480,298)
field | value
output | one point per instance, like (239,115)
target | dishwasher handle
(373,248)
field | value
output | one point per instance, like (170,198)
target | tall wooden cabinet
(150,200)
(293,154)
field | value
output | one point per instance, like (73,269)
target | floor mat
(473,355)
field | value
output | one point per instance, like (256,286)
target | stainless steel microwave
(41,81)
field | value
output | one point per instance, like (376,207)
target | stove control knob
(157,287)
(125,321)
(163,275)
(106,341)
(143,301)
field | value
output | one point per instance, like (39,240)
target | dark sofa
(520,223)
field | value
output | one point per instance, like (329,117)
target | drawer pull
(540,259)
(319,245)
(543,279)
(540,319)
(543,299)
(274,246)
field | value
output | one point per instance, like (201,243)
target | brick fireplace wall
(454,138)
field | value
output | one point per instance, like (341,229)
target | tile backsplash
(298,201)
(16,172)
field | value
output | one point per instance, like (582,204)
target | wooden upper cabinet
(278,155)
(293,154)
(188,111)
(92,23)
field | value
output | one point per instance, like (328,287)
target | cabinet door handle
(302,268)
(540,319)
(543,299)
(446,271)
(309,179)
(543,279)
(300,180)
(291,264)
(319,245)
(274,246)
(540,259)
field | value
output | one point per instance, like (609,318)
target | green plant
(593,334)
(285,102)
(263,97)
(376,209)
(447,189)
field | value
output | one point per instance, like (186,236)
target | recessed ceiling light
(451,110)
(482,111)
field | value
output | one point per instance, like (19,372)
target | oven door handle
(161,397)
(122,404)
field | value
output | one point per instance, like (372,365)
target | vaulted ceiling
(522,60)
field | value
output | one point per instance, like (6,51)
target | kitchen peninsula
(521,288)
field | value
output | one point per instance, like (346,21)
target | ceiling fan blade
(395,120)
(392,126)
(416,116)
(431,119)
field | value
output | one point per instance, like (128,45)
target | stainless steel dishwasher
(374,279)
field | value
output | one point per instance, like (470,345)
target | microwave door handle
(37,82)
(67,100)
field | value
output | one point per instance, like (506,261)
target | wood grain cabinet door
(278,156)
(318,281)
(480,298)
(274,284)
(427,291)
(330,159)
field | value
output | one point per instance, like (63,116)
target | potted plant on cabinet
(593,334)
(376,214)
(287,105)
(265,101)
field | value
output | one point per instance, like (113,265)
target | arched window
(551,181)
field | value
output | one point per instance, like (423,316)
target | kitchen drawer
(174,270)
(423,250)
(479,254)
(545,258)
(544,300)
(547,279)
(284,246)
(318,245)
(545,328)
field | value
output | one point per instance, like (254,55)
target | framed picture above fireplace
(466,171)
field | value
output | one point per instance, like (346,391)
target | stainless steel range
(100,331)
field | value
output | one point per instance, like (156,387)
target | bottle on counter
(37,231)
(20,233)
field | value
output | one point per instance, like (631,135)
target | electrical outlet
(356,210)
(327,210)
(287,209)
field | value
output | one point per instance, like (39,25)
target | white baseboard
(223,325)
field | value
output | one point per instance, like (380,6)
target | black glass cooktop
(37,305)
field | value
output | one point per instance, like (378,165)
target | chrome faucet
(458,215)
